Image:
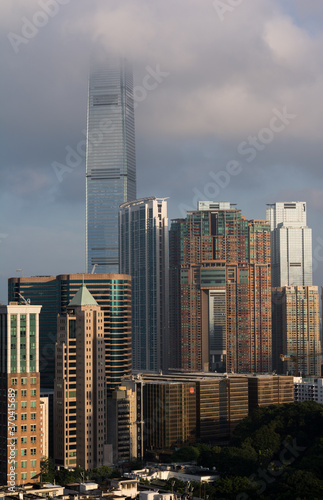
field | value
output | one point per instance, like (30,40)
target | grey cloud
(224,80)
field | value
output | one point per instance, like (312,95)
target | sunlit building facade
(296,330)
(182,408)
(20,422)
(110,159)
(220,291)
(111,291)
(80,387)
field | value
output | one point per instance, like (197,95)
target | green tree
(186,454)
(302,485)
(101,474)
(47,470)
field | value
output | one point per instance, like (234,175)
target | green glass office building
(111,291)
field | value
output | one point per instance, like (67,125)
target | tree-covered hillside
(275,453)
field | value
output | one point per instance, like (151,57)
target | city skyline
(153,300)
(254,104)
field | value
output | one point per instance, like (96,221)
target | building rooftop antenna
(26,301)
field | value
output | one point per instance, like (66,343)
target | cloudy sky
(233,112)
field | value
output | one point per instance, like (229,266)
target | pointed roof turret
(83,298)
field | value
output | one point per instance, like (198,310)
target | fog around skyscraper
(211,89)
(110,158)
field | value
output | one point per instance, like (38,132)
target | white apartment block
(308,389)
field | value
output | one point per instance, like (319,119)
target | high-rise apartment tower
(144,255)
(20,422)
(220,293)
(296,330)
(110,159)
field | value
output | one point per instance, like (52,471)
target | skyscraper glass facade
(53,293)
(291,244)
(144,255)
(110,160)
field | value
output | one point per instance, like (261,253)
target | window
(33,392)
(24,416)
(24,452)
(24,464)
(24,393)
(33,380)
(14,381)
(33,428)
(32,404)
(24,381)
(33,416)
(23,440)
(33,463)
(33,439)
(23,404)
(33,474)
(24,475)
(24,428)
(33,451)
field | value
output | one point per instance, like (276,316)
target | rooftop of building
(177,376)
(140,201)
(83,298)
(68,277)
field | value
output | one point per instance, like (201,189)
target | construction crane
(295,358)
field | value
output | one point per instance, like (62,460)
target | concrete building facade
(80,386)
(179,409)
(220,291)
(309,389)
(296,330)
(20,424)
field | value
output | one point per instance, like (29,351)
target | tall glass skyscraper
(291,244)
(144,255)
(110,159)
